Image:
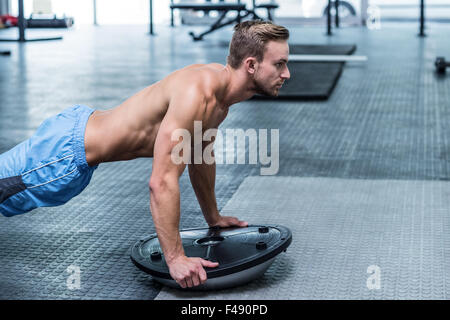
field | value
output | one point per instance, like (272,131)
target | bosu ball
(243,254)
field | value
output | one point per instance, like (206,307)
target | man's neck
(236,86)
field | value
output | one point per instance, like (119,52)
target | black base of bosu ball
(243,254)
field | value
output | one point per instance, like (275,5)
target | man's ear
(251,65)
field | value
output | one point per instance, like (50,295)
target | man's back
(129,131)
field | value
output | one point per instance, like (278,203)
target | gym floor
(363,177)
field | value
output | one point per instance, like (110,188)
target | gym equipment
(326,58)
(244,254)
(43,16)
(223,9)
(441,65)
(47,22)
(8,20)
(341,49)
(22,26)
(422,19)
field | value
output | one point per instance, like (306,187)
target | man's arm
(165,193)
(203,179)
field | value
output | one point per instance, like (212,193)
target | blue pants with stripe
(49,168)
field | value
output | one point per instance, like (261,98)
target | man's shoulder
(203,80)
(205,73)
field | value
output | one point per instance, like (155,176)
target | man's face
(272,71)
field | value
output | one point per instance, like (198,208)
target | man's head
(261,48)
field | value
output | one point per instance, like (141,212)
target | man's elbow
(155,184)
(161,184)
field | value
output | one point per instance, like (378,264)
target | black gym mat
(321,49)
(312,80)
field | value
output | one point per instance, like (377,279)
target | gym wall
(4,6)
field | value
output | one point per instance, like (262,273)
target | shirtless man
(58,161)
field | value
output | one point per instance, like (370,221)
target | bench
(222,9)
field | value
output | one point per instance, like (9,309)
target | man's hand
(229,222)
(189,272)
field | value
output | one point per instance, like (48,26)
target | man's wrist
(173,252)
(171,258)
(212,218)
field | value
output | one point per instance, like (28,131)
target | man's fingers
(243,223)
(182,283)
(202,275)
(193,273)
(237,222)
(196,277)
(189,282)
(233,221)
(209,264)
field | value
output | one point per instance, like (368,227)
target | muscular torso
(129,130)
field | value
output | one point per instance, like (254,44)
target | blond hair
(250,39)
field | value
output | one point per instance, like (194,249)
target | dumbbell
(441,64)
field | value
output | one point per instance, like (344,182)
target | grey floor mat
(94,232)
(340,228)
